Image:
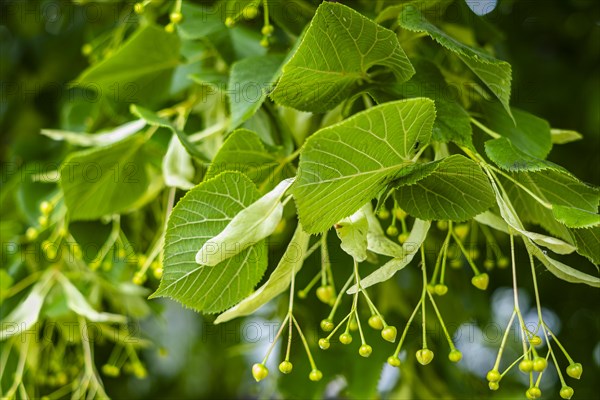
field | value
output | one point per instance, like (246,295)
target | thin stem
(324,259)
(339,297)
(272,346)
(439,315)
(410,319)
(559,344)
(485,129)
(423,294)
(503,343)
(305,343)
(464,251)
(339,326)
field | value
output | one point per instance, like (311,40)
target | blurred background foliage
(554,48)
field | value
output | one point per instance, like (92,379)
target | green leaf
(96,139)
(493,221)
(200,215)
(198,22)
(334,59)
(496,74)
(455,190)
(413,243)
(452,123)
(345,165)
(575,217)
(153,119)
(244,151)
(291,262)
(562,136)
(352,231)
(250,81)
(105,180)
(561,270)
(588,243)
(509,157)
(249,226)
(527,132)
(142,65)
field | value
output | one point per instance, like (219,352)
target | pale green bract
(413,243)
(290,263)
(352,231)
(249,226)
(345,165)
(26,314)
(334,58)
(178,170)
(377,241)
(96,139)
(200,215)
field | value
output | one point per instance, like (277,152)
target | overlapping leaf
(200,215)
(454,189)
(496,74)
(345,165)
(334,58)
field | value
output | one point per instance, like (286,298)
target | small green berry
(229,22)
(489,264)
(481,281)
(286,367)
(461,231)
(493,385)
(575,370)
(259,372)
(566,392)
(535,341)
(400,213)
(533,393)
(315,375)
(442,225)
(176,17)
(493,376)
(43,221)
(110,370)
(391,230)
(327,325)
(139,279)
(324,343)
(539,364)
(383,213)
(403,237)
(375,322)
(389,333)
(345,338)
(326,294)
(430,288)
(526,366)
(455,355)
(157,272)
(138,8)
(394,361)
(31,233)
(250,12)
(440,289)
(267,30)
(365,350)
(474,253)
(503,262)
(170,27)
(456,263)
(353,325)
(139,371)
(424,356)
(46,207)
(264,42)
